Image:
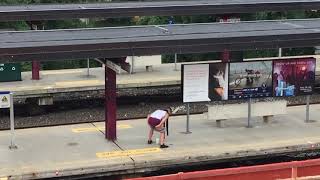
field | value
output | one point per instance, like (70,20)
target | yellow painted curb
(127,152)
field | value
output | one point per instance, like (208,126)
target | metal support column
(249,113)
(308,109)
(132,64)
(280,52)
(175,61)
(88,67)
(188,120)
(12,143)
(110,104)
(35,64)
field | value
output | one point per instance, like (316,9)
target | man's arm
(164,119)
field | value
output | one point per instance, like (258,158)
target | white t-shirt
(158,114)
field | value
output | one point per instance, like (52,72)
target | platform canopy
(149,40)
(154,8)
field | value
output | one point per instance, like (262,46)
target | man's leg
(162,131)
(150,134)
(162,138)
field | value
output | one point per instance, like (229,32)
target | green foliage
(66,24)
(313,14)
(69,64)
(280,15)
(26,66)
(298,51)
(261,53)
(112,22)
(151,20)
(18,26)
(169,58)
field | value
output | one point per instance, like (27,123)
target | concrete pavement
(82,149)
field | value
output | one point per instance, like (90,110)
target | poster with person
(293,77)
(218,81)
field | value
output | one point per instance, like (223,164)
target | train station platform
(82,149)
(76,80)
(74,83)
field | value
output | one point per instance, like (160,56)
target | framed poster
(195,82)
(218,81)
(251,79)
(293,77)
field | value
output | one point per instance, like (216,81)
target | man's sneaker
(149,141)
(163,146)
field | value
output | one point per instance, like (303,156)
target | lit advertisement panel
(250,79)
(293,77)
(218,81)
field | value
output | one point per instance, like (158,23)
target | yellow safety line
(127,152)
(61,72)
(99,128)
(83,82)
(4,178)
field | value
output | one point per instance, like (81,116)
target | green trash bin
(10,72)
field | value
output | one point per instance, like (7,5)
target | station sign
(5,100)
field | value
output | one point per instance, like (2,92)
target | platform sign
(195,82)
(5,100)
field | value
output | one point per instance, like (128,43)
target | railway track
(92,110)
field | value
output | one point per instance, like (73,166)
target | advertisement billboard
(218,81)
(293,77)
(250,79)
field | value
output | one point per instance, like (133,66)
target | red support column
(35,70)
(110,104)
(225,56)
(35,64)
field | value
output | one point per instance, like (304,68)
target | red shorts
(153,122)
